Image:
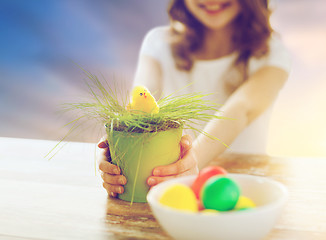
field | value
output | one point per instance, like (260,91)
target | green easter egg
(220,193)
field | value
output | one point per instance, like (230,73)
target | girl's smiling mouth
(214,7)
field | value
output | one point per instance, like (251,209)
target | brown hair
(250,36)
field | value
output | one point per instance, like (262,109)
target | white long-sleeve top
(209,76)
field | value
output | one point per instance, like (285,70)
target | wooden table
(63,198)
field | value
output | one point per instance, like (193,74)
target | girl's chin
(215,26)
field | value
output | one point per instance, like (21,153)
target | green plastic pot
(137,154)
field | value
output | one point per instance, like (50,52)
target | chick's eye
(140,94)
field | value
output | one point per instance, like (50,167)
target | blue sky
(85,31)
(40,40)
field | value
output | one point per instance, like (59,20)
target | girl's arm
(251,99)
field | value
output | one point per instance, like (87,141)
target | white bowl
(269,196)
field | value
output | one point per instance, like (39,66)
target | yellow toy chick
(142,101)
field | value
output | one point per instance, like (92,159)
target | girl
(223,46)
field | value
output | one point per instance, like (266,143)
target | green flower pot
(137,154)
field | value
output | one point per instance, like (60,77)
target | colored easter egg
(204,175)
(220,193)
(200,205)
(244,203)
(179,196)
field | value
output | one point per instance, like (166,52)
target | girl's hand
(113,181)
(187,165)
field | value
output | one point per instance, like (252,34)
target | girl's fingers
(176,168)
(185,145)
(104,148)
(107,167)
(153,180)
(110,173)
(112,194)
(114,179)
(110,188)
(103,143)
